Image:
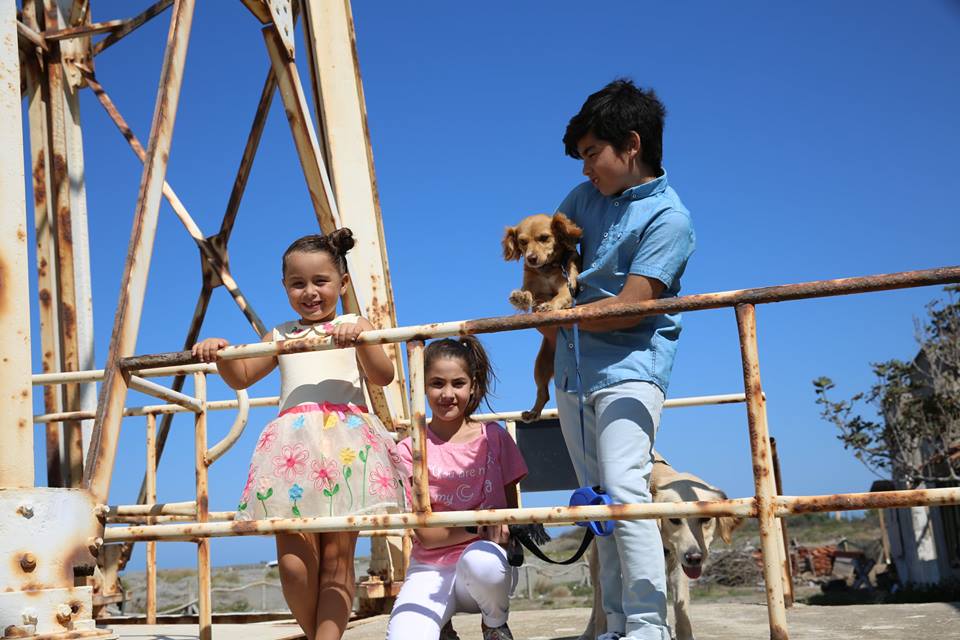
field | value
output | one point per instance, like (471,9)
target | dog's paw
(530,416)
(545,306)
(521,299)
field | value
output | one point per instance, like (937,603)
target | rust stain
(69,320)
(45,298)
(64,229)
(4,285)
(242,527)
(40,183)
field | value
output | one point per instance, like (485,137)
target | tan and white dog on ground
(686,544)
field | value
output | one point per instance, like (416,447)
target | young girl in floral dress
(324,455)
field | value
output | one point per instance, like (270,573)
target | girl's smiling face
(313,285)
(448,389)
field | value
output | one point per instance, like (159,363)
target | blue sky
(809,141)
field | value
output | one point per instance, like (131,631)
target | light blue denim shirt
(646,231)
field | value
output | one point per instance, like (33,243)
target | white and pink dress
(324,454)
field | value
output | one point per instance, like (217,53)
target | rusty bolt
(93,545)
(25,510)
(64,613)
(29,616)
(28,562)
(101,510)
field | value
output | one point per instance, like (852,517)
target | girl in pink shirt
(471,465)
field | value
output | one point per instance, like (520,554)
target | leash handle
(535,550)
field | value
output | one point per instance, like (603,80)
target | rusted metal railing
(766,505)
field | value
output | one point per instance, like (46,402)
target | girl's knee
(483,562)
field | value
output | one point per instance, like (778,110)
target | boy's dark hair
(471,353)
(336,245)
(613,112)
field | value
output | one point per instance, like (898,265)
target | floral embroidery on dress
(325,473)
(264,493)
(291,463)
(382,484)
(370,438)
(245,496)
(295,493)
(267,437)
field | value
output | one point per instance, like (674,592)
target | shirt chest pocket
(624,252)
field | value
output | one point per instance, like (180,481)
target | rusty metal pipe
(786,567)
(549,414)
(160,391)
(418,432)
(159,409)
(762,472)
(737,507)
(204,578)
(151,477)
(697,302)
(742,507)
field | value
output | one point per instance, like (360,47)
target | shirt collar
(645,190)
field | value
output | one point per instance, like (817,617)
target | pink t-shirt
(465,477)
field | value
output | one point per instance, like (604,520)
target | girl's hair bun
(341,240)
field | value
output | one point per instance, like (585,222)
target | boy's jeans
(620,423)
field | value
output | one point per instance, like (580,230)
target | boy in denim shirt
(637,237)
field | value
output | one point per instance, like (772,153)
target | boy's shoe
(448,632)
(611,635)
(496,633)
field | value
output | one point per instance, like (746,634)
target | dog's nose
(532,260)
(693,558)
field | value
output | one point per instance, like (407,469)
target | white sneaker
(611,635)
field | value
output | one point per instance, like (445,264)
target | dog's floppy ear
(726,526)
(565,230)
(510,250)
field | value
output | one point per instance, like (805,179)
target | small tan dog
(686,543)
(551,264)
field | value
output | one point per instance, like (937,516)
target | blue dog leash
(587,496)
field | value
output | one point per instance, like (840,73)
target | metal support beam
(103,447)
(45,257)
(342,114)
(318,181)
(131,25)
(61,203)
(16,393)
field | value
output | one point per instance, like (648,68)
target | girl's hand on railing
(345,335)
(207,349)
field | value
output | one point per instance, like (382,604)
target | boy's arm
(659,262)
(635,289)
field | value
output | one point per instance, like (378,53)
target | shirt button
(616,204)
(604,235)
(570,345)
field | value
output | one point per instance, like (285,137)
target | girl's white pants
(480,582)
